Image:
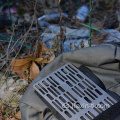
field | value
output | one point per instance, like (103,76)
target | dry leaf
(22,74)
(44,47)
(17,116)
(35,59)
(48,57)
(19,64)
(44,54)
(34,70)
(41,47)
(38,60)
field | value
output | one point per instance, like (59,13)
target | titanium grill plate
(73,95)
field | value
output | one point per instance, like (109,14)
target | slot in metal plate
(73,95)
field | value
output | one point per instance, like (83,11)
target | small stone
(22,82)
(86,45)
(11,81)
(12,88)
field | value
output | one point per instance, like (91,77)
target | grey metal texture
(73,95)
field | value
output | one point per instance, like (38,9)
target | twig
(25,36)
(90,29)
(3,64)
(10,44)
(61,30)
(37,29)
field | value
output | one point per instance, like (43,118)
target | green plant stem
(91,27)
(4,36)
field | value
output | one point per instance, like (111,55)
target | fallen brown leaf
(44,47)
(34,70)
(19,64)
(41,47)
(22,74)
(48,57)
(17,116)
(35,59)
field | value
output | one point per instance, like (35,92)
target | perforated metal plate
(73,94)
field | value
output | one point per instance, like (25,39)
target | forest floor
(32,35)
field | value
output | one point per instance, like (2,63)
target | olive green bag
(103,61)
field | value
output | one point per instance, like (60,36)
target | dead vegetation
(23,47)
